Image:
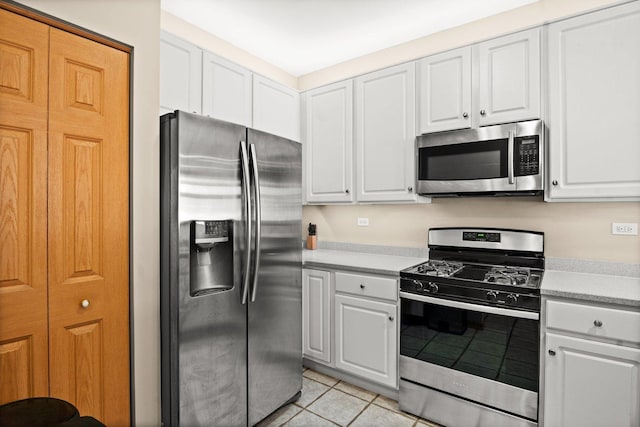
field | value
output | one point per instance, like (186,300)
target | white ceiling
(302,36)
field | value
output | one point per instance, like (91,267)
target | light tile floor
(326,401)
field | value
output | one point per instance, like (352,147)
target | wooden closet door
(24,46)
(88,227)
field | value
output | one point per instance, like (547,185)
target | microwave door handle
(258,211)
(247,214)
(510,158)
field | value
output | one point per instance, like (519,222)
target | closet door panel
(24,46)
(88,227)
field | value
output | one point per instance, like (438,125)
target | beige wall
(523,17)
(195,35)
(572,230)
(136,23)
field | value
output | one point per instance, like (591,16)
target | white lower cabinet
(316,315)
(590,383)
(365,339)
(591,366)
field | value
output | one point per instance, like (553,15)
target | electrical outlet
(363,222)
(626,228)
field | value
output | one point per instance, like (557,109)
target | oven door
(476,161)
(488,355)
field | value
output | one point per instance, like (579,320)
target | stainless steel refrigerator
(231,211)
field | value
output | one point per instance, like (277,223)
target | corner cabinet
(328,143)
(492,82)
(385,135)
(276,108)
(316,315)
(594,105)
(592,365)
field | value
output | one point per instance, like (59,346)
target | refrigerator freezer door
(275,317)
(203,337)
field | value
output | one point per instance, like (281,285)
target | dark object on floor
(43,412)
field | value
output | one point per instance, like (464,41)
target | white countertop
(592,287)
(360,261)
(602,288)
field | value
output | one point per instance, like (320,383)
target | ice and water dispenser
(211,256)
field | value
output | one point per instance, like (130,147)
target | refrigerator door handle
(256,192)
(247,214)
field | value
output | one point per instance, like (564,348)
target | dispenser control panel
(210,232)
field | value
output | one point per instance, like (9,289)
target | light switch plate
(624,228)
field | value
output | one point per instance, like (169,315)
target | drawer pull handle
(597,323)
(84,303)
(361,286)
(552,352)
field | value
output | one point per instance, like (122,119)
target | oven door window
(474,160)
(500,348)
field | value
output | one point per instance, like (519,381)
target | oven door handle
(470,306)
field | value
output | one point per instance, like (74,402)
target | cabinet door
(385,134)
(365,339)
(444,83)
(24,64)
(509,78)
(88,227)
(316,315)
(588,383)
(276,108)
(180,75)
(226,90)
(594,105)
(328,143)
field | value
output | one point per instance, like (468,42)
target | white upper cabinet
(594,106)
(328,143)
(445,91)
(509,78)
(180,75)
(226,90)
(385,135)
(276,108)
(497,81)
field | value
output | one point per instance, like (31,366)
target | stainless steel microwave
(496,160)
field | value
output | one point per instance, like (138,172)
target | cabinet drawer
(595,321)
(369,286)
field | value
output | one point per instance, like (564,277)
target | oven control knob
(419,285)
(512,299)
(433,288)
(492,296)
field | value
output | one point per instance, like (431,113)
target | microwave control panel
(527,158)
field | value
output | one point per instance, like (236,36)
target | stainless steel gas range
(469,334)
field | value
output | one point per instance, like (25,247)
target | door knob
(361,286)
(465,115)
(409,188)
(482,112)
(391,318)
(84,303)
(346,191)
(597,323)
(552,353)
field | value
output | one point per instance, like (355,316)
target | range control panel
(527,157)
(474,236)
